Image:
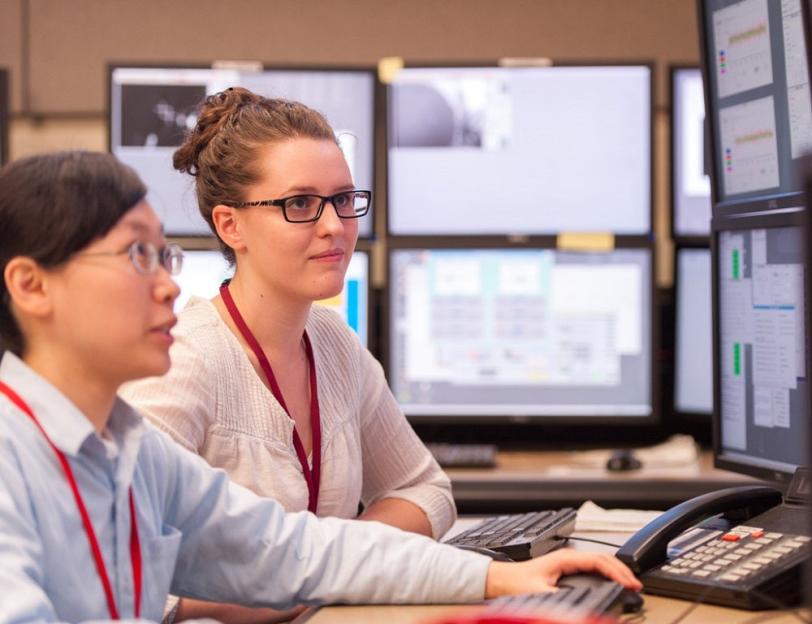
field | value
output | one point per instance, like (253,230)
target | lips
(329,254)
(165,328)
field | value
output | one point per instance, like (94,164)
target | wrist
(496,582)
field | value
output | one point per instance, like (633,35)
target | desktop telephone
(748,552)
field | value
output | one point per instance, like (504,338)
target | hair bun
(215,112)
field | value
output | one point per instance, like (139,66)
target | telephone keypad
(736,555)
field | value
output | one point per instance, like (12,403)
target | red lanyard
(135,548)
(312,477)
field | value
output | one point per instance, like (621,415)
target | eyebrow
(141,228)
(312,190)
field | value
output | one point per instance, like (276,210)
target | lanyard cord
(135,547)
(312,477)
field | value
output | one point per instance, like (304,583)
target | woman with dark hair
(101,515)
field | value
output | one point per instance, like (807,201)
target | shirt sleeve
(238,547)
(396,462)
(22,571)
(182,402)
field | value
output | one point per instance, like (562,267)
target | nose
(166,290)
(329,220)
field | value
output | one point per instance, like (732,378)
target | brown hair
(221,151)
(53,206)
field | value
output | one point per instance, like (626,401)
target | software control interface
(204,271)
(759,87)
(764,415)
(506,332)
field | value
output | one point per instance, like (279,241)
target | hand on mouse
(541,574)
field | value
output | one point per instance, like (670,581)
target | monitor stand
(791,516)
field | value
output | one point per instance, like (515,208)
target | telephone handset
(648,547)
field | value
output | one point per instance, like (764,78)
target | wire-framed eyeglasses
(146,257)
(306,208)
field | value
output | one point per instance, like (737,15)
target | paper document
(592,517)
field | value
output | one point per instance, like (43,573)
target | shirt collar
(66,426)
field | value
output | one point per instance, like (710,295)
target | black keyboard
(464,455)
(579,595)
(520,536)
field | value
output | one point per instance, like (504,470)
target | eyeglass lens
(306,207)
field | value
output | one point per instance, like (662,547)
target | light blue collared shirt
(201,536)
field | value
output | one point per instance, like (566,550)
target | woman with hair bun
(275,390)
(100,514)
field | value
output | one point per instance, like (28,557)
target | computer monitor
(760,111)
(761,411)
(690,183)
(693,350)
(524,335)
(150,108)
(519,150)
(4,111)
(205,269)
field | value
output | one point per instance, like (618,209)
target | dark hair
(54,205)
(221,150)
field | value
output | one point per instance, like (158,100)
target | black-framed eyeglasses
(306,208)
(146,257)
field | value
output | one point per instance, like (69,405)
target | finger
(615,570)
(570,562)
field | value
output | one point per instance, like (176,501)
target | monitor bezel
(732,207)
(577,422)
(4,116)
(680,239)
(684,415)
(640,237)
(724,224)
(269,67)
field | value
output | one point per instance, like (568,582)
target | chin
(329,288)
(157,367)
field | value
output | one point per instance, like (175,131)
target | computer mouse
(493,554)
(608,596)
(631,601)
(622,460)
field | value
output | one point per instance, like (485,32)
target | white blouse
(213,403)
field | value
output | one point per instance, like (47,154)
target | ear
(26,283)
(228,224)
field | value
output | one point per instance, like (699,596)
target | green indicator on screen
(737,358)
(735,263)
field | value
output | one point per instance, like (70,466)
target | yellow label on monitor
(521,61)
(585,241)
(388,68)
